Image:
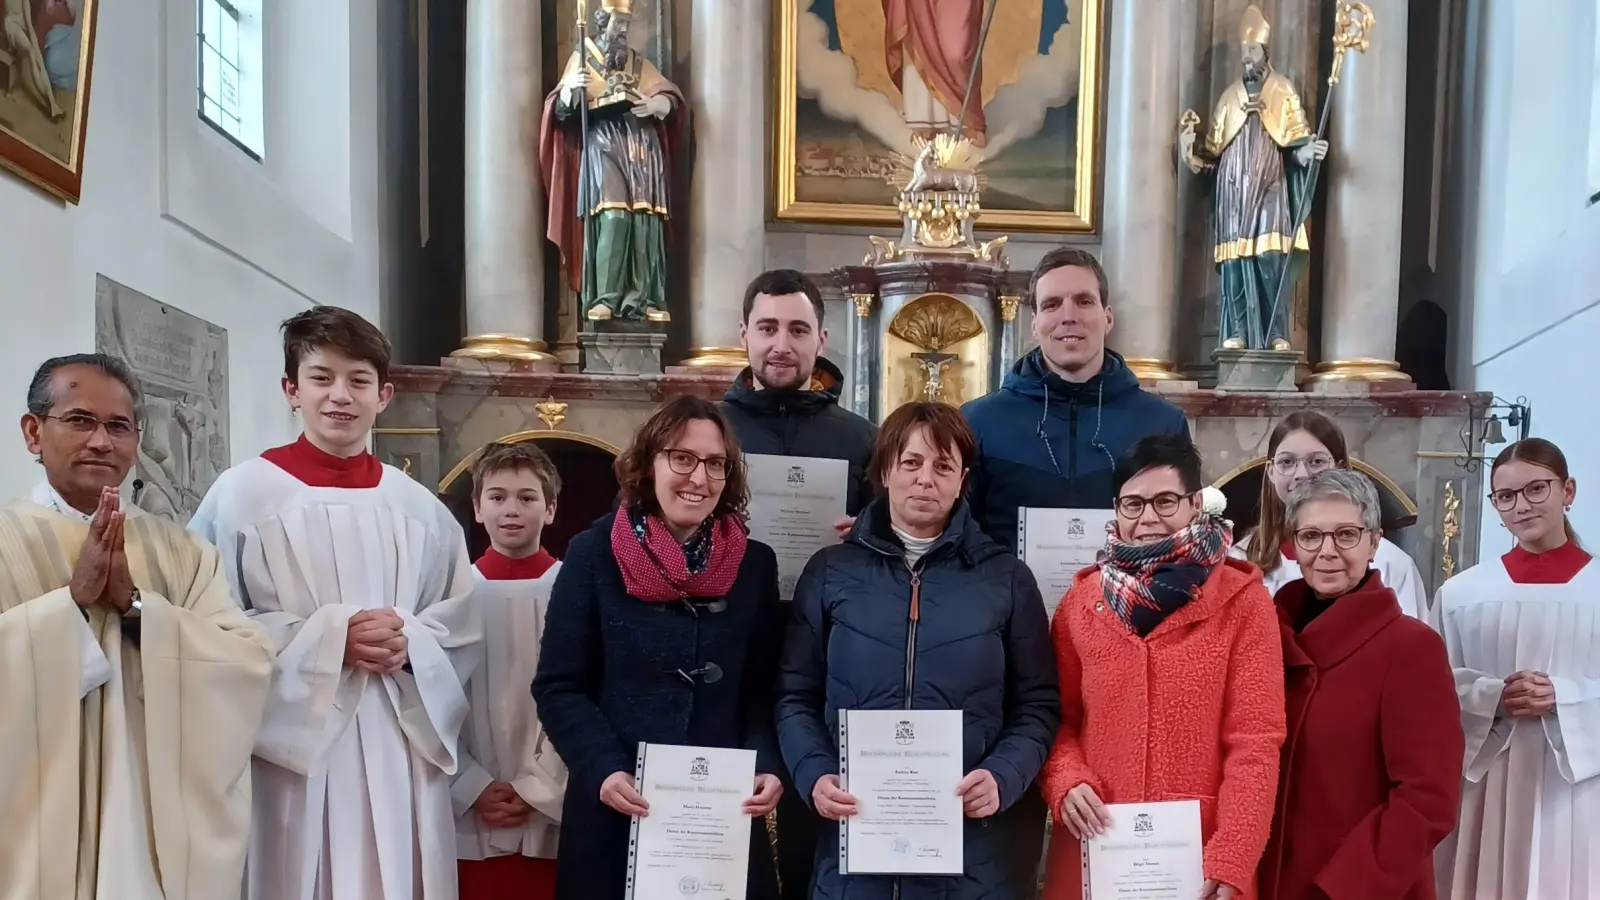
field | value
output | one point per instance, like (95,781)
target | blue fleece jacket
(1046,442)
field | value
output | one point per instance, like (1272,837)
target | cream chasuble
(122,762)
(352,770)
(502,739)
(1530,804)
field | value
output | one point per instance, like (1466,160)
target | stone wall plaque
(181,363)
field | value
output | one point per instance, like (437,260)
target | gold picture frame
(786,190)
(44,151)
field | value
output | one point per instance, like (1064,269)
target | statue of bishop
(1262,152)
(606,147)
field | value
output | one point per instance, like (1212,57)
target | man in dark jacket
(1050,436)
(787,404)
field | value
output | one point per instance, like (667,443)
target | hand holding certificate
(1057,543)
(795,501)
(902,769)
(1151,851)
(695,831)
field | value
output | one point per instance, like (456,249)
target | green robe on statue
(1261,191)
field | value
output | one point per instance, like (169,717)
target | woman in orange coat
(1171,678)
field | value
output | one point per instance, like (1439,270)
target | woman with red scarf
(664,627)
(1171,678)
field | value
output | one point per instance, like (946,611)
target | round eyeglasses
(1165,504)
(1536,491)
(1345,537)
(684,463)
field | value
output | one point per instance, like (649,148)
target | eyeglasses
(1165,503)
(1345,537)
(1536,491)
(1286,463)
(684,463)
(116,429)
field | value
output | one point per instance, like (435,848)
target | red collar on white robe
(1557,566)
(319,468)
(496,566)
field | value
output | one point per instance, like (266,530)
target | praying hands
(374,642)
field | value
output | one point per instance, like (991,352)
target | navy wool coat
(981,644)
(609,678)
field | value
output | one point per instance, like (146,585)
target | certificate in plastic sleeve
(696,840)
(903,768)
(1056,544)
(1152,851)
(794,502)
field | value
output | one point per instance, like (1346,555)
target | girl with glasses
(1305,444)
(1523,634)
(664,627)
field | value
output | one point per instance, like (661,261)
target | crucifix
(934,364)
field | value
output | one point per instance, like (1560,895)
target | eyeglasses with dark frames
(116,429)
(1537,491)
(1166,503)
(684,463)
(1345,537)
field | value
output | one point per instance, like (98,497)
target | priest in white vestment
(361,577)
(1523,633)
(131,686)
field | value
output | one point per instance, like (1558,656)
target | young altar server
(1523,633)
(511,781)
(131,685)
(362,579)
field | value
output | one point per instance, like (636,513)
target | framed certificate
(1152,851)
(794,501)
(1057,543)
(903,768)
(696,840)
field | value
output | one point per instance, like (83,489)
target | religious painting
(181,364)
(859,82)
(46,56)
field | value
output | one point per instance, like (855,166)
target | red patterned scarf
(658,569)
(1145,583)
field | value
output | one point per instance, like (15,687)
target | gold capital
(1008,308)
(863,304)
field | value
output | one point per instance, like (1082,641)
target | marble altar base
(1266,371)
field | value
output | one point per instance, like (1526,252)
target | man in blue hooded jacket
(1051,435)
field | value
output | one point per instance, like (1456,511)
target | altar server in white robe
(509,790)
(1523,634)
(1304,444)
(361,577)
(131,685)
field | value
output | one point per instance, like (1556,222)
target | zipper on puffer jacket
(913,615)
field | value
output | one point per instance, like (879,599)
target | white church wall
(172,209)
(1529,321)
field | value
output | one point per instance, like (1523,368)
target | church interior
(182,175)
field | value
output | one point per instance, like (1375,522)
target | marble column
(1141,204)
(504,199)
(1365,170)
(727,231)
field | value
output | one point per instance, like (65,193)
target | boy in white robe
(1523,633)
(510,786)
(361,577)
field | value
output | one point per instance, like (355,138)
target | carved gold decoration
(992,250)
(1362,369)
(717,358)
(465,465)
(883,250)
(507,347)
(1449,529)
(863,304)
(1147,368)
(1008,308)
(405,466)
(1351,23)
(1365,468)
(934,322)
(552,411)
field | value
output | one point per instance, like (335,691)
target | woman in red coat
(1171,678)
(1372,765)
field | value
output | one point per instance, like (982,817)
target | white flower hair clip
(1213,501)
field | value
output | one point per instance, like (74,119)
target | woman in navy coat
(919,610)
(664,627)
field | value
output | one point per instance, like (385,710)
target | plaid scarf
(1145,583)
(658,569)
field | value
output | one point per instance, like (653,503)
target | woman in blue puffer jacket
(917,609)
